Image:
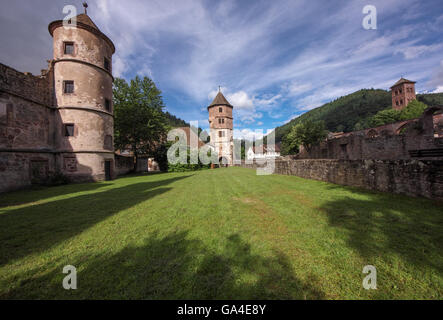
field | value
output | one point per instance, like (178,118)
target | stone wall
(20,170)
(396,141)
(410,177)
(34,88)
(123,164)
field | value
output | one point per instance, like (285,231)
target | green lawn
(218,234)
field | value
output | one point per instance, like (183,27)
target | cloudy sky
(274,59)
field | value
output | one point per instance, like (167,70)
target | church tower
(82,71)
(221,126)
(403,92)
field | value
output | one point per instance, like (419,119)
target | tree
(289,144)
(384,117)
(139,124)
(413,110)
(308,133)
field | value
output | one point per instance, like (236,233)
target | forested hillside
(175,122)
(351,112)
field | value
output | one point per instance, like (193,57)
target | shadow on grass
(174,267)
(391,225)
(36,228)
(38,193)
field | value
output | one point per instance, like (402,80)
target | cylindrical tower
(221,126)
(83,96)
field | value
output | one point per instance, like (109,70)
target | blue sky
(273,59)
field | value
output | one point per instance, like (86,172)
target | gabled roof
(220,100)
(401,81)
(190,132)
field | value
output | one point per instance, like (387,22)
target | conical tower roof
(84,18)
(84,22)
(220,100)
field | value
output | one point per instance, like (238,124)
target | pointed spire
(220,100)
(85,5)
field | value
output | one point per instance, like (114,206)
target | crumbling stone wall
(410,177)
(396,141)
(123,164)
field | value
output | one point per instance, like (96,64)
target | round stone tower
(221,125)
(82,71)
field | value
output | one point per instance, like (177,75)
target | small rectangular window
(69,130)
(3,113)
(69,47)
(107,64)
(220,109)
(68,86)
(108,105)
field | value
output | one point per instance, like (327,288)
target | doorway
(108,175)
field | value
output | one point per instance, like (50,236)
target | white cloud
(240,100)
(250,134)
(416,51)
(439,89)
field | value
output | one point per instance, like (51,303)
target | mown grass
(218,234)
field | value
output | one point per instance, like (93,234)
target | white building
(263,153)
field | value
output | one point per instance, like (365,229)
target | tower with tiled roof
(221,128)
(82,71)
(403,92)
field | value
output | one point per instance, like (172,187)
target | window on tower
(69,47)
(69,130)
(220,109)
(108,105)
(68,86)
(221,134)
(107,64)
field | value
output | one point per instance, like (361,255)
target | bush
(188,166)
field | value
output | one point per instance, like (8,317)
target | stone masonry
(62,120)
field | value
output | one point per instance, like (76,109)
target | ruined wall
(24,85)
(396,141)
(123,164)
(21,169)
(410,177)
(26,129)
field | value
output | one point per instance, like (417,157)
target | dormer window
(107,65)
(69,47)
